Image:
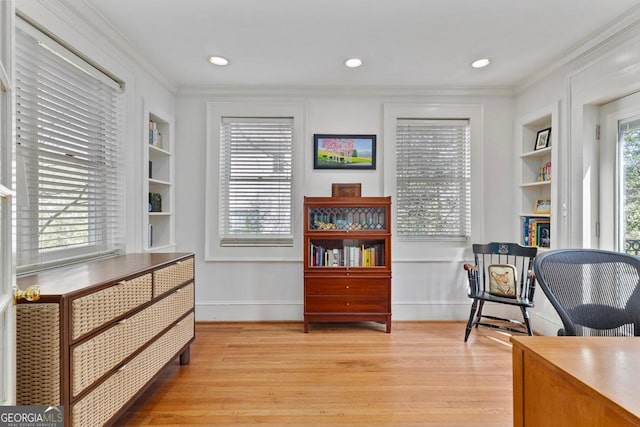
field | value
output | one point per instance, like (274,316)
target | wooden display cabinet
(347,260)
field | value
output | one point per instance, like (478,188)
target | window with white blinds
(433,162)
(256,182)
(67,120)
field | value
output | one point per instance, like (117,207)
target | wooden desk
(576,381)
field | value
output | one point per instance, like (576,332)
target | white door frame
(610,115)
(7,268)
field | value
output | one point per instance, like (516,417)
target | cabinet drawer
(98,308)
(174,275)
(347,286)
(94,357)
(105,401)
(350,304)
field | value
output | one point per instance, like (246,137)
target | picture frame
(543,139)
(335,151)
(543,234)
(542,206)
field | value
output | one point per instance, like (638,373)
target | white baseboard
(403,310)
(249,311)
(293,311)
(431,310)
(543,325)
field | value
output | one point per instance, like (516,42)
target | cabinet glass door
(347,218)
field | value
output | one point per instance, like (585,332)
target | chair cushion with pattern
(502,280)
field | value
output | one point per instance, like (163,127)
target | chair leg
(474,307)
(527,323)
(479,313)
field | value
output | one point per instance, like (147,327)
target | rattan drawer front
(103,402)
(98,308)
(93,358)
(38,357)
(174,275)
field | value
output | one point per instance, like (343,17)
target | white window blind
(67,121)
(256,181)
(433,179)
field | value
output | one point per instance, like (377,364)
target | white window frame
(258,176)
(434,249)
(52,258)
(216,111)
(424,177)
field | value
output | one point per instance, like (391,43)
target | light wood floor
(273,374)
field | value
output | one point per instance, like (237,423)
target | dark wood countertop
(75,278)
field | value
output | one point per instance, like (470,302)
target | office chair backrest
(595,292)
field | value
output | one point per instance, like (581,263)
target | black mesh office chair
(502,274)
(595,292)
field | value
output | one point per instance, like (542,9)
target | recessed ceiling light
(218,60)
(353,62)
(479,63)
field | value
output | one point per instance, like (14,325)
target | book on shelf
(544,173)
(536,231)
(155,202)
(366,255)
(155,137)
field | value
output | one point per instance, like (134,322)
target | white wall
(426,288)
(75,25)
(423,287)
(605,71)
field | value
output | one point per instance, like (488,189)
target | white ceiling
(403,43)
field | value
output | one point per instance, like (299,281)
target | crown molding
(340,91)
(624,28)
(86,21)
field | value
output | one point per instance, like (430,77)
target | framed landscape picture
(344,151)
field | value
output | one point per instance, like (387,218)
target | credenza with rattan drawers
(102,331)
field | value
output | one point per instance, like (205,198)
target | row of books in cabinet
(347,256)
(536,231)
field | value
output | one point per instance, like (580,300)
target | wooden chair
(501,265)
(595,292)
